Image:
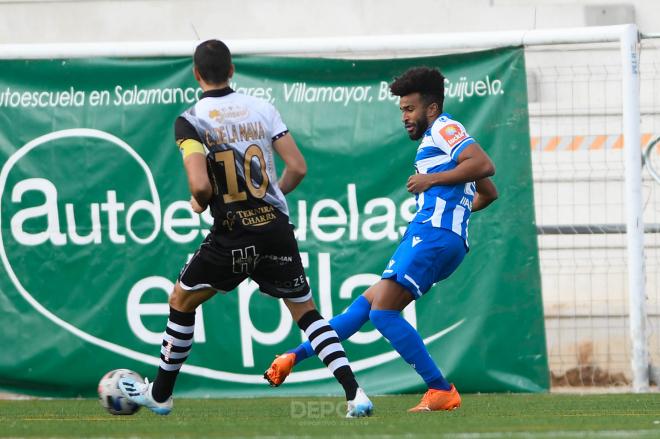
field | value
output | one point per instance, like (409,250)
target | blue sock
(345,325)
(407,342)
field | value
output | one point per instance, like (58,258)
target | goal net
(576,125)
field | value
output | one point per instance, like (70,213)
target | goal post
(629,41)
(627,36)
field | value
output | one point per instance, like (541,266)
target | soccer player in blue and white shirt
(451,181)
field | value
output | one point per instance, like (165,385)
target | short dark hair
(213,61)
(426,81)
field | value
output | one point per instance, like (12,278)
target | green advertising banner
(95,226)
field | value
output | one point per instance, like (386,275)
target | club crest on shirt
(453,134)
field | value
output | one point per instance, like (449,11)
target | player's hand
(196,207)
(418,183)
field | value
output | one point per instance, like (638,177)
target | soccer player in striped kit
(228,141)
(451,181)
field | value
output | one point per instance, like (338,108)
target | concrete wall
(35,21)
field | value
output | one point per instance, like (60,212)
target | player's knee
(390,295)
(370,294)
(179,300)
(299,309)
(380,318)
(175,298)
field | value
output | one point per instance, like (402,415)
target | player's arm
(486,194)
(473,165)
(198,180)
(295,167)
(194,162)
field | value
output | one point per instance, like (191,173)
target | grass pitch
(481,416)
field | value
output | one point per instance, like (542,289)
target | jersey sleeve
(183,130)
(277,127)
(451,137)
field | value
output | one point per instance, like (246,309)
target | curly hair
(426,81)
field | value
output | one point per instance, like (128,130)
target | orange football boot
(280,369)
(438,400)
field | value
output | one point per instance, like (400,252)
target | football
(111,397)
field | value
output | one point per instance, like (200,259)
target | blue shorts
(426,255)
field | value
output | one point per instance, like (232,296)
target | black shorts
(271,259)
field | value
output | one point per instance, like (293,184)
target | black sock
(177,341)
(328,348)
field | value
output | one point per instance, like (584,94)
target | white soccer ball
(111,397)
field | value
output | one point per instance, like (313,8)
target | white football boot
(361,406)
(140,393)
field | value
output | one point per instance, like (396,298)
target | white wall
(36,21)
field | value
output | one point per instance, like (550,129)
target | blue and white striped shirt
(446,207)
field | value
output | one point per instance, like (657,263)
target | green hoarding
(95,225)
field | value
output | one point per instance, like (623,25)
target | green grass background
(481,416)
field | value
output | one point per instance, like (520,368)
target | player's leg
(175,348)
(209,270)
(389,301)
(178,337)
(280,273)
(411,274)
(345,324)
(328,348)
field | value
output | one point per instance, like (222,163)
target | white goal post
(627,36)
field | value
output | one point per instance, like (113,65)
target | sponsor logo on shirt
(231,113)
(453,134)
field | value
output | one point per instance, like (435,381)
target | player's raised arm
(486,194)
(473,165)
(295,167)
